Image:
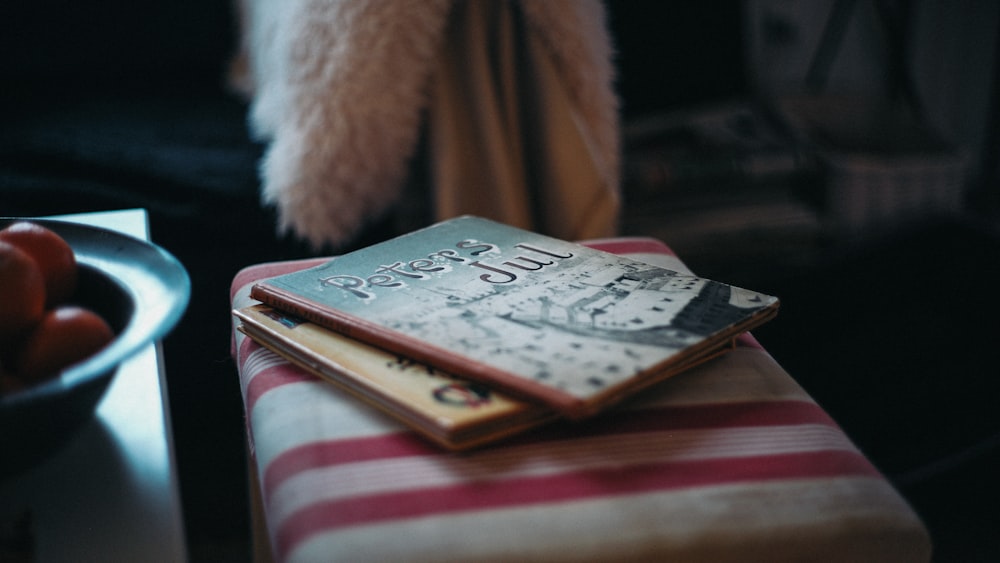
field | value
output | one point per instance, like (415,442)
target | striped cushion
(729,461)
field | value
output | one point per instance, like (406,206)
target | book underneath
(455,413)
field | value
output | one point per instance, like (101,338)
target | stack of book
(470,330)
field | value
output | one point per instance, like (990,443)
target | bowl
(141,290)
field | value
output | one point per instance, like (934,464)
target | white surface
(112,493)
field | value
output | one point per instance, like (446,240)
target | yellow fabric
(506,140)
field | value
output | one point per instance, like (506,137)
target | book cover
(454,413)
(544,319)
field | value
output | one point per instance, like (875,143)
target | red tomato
(66,335)
(53,254)
(22,293)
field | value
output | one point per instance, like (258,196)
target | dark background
(115,104)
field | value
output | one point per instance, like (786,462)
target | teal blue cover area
(489,300)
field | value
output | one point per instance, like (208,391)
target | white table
(112,493)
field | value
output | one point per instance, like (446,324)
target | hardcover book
(454,413)
(546,320)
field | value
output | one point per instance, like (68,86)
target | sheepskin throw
(515,98)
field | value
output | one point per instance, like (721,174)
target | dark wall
(86,44)
(675,53)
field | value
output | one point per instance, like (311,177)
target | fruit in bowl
(42,331)
(57,361)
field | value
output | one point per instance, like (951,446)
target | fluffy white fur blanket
(340,89)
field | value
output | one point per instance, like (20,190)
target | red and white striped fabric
(731,461)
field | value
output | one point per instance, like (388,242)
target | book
(546,320)
(452,412)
